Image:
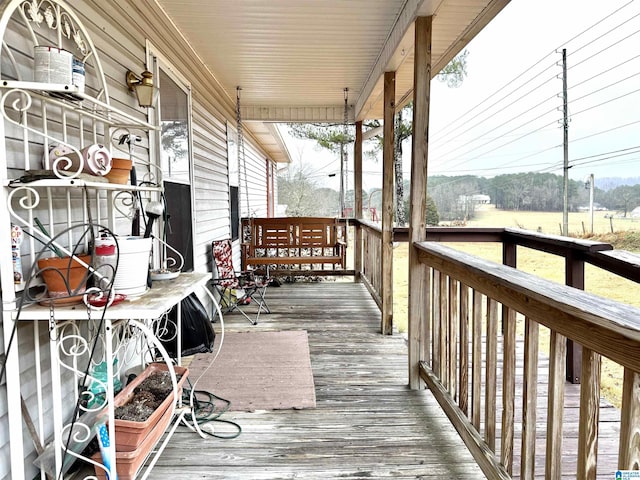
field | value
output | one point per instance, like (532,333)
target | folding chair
(236,288)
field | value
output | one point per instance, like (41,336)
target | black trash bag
(198,334)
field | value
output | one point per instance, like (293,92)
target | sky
(507,115)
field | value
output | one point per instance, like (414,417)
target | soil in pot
(140,405)
(147,397)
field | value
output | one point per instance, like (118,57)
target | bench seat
(336,259)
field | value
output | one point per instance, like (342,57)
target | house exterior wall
(253,187)
(121,32)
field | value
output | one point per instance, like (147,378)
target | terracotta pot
(128,463)
(65,279)
(134,440)
(120,170)
(130,434)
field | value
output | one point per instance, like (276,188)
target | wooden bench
(294,245)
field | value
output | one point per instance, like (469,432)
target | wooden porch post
(574,276)
(419,331)
(357,180)
(387,202)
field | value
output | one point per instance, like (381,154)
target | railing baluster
(508,387)
(555,408)
(463,372)
(529,397)
(492,366)
(629,449)
(476,361)
(454,318)
(427,330)
(589,415)
(444,331)
(435,314)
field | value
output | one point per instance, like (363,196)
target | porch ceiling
(294,58)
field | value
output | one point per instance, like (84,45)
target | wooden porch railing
(576,252)
(370,251)
(468,352)
(462,342)
(474,308)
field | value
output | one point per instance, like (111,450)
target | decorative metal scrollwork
(20,101)
(57,19)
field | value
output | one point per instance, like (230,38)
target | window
(174,109)
(174,122)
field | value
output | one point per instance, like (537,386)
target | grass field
(550,222)
(541,264)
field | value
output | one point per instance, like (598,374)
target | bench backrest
(302,244)
(293,232)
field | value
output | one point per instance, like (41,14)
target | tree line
(540,192)
(457,197)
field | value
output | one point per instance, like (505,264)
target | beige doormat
(259,371)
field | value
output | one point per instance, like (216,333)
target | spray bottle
(16,240)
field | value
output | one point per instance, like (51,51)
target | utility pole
(565,125)
(591,188)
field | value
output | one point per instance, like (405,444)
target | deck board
(367,423)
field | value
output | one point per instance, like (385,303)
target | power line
(604,103)
(596,160)
(539,117)
(606,131)
(609,70)
(606,153)
(531,132)
(448,130)
(469,142)
(596,24)
(591,159)
(523,96)
(491,169)
(487,109)
(317,171)
(529,69)
(590,57)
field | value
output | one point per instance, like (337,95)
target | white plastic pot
(133,265)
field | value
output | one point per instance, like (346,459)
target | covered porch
(494,406)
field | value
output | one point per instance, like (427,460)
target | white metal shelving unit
(36,116)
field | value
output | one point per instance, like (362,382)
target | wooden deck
(367,423)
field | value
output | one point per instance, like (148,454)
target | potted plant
(135,438)
(65,278)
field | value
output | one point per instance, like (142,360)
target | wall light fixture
(143,86)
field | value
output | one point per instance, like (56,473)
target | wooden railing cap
(557,240)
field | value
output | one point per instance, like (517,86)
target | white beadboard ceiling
(294,58)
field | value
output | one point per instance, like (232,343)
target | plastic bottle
(106,259)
